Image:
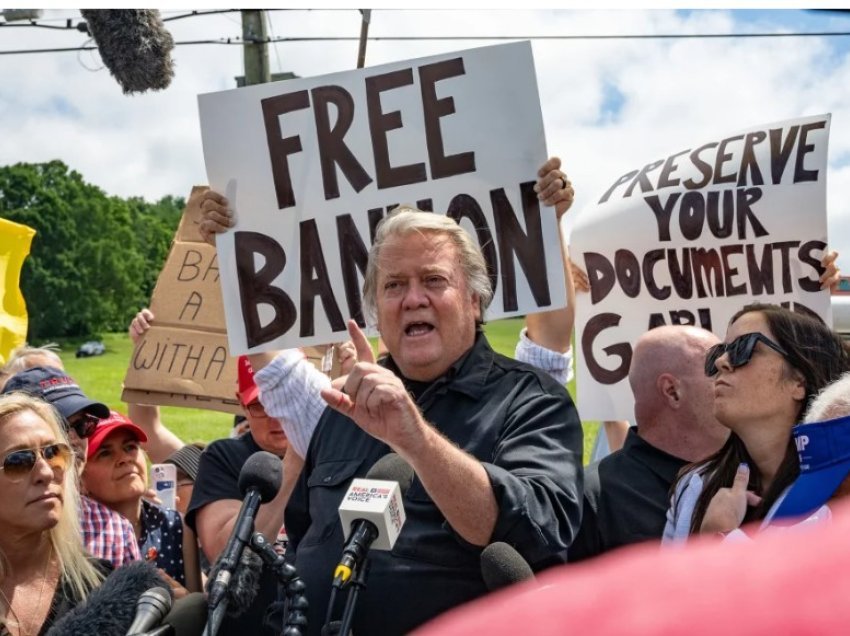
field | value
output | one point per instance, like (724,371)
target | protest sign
(310,166)
(699,234)
(182,360)
(15,240)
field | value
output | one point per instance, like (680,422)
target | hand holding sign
(376,399)
(553,187)
(831,275)
(217,216)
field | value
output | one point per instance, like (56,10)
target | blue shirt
(161,539)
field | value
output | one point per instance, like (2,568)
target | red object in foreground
(791,582)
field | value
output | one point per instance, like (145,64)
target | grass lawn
(101,378)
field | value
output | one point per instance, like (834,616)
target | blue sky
(607,104)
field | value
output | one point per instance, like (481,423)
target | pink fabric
(781,583)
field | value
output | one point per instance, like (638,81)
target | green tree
(93,256)
(154,225)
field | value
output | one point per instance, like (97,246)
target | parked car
(91,348)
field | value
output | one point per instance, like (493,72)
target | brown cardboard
(183,360)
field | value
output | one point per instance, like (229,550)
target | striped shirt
(558,365)
(290,391)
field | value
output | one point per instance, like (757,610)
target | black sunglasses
(83,424)
(740,351)
(18,464)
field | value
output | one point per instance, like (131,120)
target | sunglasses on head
(18,464)
(740,351)
(82,423)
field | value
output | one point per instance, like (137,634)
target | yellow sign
(15,241)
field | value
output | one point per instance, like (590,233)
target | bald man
(626,494)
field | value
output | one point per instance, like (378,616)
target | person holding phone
(116,476)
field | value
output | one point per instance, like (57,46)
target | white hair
(832,402)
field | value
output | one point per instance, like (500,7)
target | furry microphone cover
(109,609)
(134,45)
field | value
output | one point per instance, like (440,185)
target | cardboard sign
(183,360)
(310,166)
(691,238)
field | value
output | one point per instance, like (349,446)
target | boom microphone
(134,45)
(502,566)
(110,608)
(259,482)
(373,511)
(151,608)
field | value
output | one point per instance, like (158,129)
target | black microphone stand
(294,587)
(358,582)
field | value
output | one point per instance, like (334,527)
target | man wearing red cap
(216,498)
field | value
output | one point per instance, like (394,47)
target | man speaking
(495,444)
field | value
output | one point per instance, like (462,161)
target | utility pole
(366,16)
(256,47)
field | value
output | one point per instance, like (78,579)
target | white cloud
(675,92)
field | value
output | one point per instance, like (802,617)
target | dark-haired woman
(771,364)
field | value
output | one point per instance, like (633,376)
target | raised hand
(728,507)
(377,400)
(553,187)
(217,216)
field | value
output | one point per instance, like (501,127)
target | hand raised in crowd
(830,278)
(728,507)
(580,279)
(217,216)
(140,324)
(553,187)
(376,399)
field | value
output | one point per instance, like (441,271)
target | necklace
(32,628)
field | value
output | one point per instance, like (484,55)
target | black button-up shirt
(626,496)
(524,429)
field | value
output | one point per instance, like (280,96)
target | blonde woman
(44,569)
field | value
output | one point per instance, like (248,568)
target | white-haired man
(495,444)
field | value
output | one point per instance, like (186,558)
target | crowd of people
(733,438)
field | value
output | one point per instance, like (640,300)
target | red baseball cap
(108,425)
(246,388)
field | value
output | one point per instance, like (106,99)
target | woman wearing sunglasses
(44,569)
(772,363)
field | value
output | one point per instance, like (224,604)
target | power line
(435,38)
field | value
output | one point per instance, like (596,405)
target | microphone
(244,584)
(151,608)
(502,565)
(372,513)
(259,482)
(111,607)
(134,45)
(186,618)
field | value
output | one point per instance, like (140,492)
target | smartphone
(164,480)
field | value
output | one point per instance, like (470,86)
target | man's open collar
(467,375)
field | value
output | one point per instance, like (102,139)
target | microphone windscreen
(188,617)
(262,472)
(134,45)
(245,583)
(391,467)
(111,607)
(501,566)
